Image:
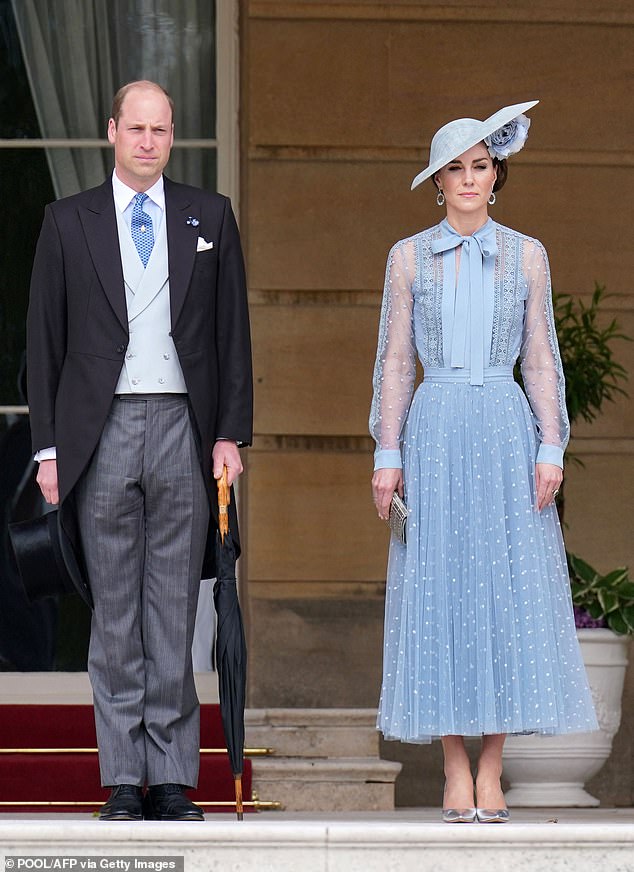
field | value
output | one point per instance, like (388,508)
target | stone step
(324,759)
(332,732)
(322,784)
(398,842)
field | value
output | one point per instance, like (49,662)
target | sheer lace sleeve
(540,360)
(395,367)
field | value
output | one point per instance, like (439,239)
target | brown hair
(502,167)
(119,97)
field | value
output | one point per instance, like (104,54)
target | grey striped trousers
(143,516)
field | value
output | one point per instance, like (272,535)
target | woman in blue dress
(479,630)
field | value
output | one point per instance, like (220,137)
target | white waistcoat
(151,363)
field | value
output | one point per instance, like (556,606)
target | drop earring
(440,198)
(492,199)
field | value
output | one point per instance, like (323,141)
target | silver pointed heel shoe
(458,815)
(493,815)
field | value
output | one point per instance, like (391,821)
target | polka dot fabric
(141,229)
(479,627)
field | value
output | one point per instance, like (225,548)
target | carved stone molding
(566,13)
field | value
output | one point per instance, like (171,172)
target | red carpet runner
(72,779)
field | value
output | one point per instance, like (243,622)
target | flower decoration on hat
(508,139)
(504,133)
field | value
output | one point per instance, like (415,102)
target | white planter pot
(552,770)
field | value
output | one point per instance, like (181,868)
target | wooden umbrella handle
(237,780)
(224,498)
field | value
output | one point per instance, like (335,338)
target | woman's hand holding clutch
(384,483)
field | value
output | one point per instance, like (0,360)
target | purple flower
(585,621)
(508,139)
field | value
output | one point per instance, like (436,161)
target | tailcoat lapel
(181,243)
(100,227)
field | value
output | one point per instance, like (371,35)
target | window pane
(78,54)
(173,43)
(194,166)
(26,188)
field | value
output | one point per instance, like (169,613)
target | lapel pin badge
(194,222)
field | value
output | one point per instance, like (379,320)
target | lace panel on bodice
(428,302)
(508,304)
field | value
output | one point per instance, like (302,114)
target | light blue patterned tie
(469,306)
(141,229)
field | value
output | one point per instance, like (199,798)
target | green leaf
(628,616)
(582,569)
(614,578)
(601,584)
(609,601)
(594,609)
(626,590)
(616,623)
(578,592)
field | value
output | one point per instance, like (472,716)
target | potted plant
(592,373)
(601,600)
(552,771)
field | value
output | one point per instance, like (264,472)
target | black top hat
(46,559)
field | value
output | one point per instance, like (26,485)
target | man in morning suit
(140,390)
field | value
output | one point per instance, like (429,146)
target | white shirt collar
(123,195)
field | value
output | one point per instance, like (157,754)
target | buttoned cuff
(387,458)
(551,454)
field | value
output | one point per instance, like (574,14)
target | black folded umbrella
(231,649)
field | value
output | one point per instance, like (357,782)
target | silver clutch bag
(398,519)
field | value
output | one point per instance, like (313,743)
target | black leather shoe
(124,804)
(167,802)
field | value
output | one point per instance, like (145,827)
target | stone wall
(339,101)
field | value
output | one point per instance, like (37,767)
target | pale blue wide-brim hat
(460,135)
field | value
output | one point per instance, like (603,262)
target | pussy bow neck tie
(469,307)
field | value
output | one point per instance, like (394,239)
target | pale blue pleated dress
(479,628)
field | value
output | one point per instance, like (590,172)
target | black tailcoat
(77,328)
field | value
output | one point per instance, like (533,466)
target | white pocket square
(203,245)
